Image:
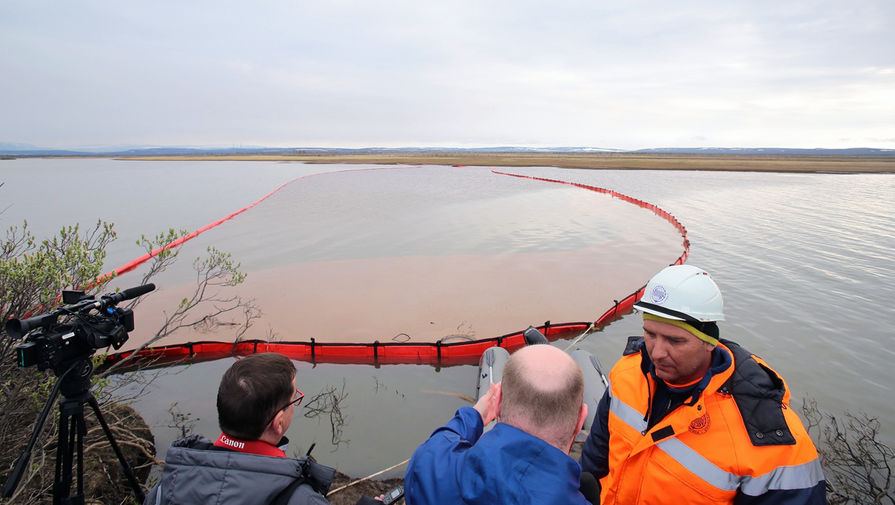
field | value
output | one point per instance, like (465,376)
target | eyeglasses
(296,400)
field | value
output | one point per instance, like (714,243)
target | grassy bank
(616,161)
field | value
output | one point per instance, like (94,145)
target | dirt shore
(371,488)
(376,487)
(615,161)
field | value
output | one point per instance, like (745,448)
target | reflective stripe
(803,476)
(699,466)
(627,414)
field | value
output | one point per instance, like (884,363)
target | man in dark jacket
(246,464)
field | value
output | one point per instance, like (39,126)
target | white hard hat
(683,293)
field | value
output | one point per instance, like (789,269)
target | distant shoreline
(787,163)
(597,161)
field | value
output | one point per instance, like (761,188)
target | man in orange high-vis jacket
(690,418)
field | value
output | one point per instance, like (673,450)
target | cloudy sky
(614,74)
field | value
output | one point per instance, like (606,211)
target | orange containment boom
(375,353)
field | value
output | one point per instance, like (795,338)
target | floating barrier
(132,265)
(439,353)
(375,353)
(640,203)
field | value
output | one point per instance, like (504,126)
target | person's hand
(488,405)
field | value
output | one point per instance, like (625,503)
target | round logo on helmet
(658,294)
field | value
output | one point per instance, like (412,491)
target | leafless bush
(856,463)
(183,421)
(328,403)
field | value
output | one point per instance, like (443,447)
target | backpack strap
(283,497)
(317,476)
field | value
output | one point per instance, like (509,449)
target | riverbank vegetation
(857,464)
(33,273)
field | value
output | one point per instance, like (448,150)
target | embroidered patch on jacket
(701,424)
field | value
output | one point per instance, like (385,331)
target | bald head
(542,392)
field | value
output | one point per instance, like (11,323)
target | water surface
(804,262)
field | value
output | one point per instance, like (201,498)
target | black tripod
(74,384)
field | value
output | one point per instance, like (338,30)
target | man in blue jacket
(524,459)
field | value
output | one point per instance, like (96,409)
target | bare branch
(328,402)
(205,306)
(857,465)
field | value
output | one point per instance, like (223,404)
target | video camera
(88,324)
(65,346)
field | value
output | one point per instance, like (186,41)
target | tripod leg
(82,432)
(19,470)
(64,449)
(138,492)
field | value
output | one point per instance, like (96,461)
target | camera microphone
(127,294)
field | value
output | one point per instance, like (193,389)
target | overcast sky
(626,74)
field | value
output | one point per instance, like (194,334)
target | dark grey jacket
(197,473)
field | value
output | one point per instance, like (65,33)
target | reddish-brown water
(426,268)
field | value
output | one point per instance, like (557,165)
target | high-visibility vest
(701,453)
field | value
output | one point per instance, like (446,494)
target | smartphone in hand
(393,496)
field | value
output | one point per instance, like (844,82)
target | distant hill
(11,149)
(856,151)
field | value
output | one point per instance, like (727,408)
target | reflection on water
(804,262)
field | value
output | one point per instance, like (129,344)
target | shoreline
(771,163)
(593,161)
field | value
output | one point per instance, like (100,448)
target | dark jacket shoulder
(758,392)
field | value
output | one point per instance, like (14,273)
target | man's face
(679,357)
